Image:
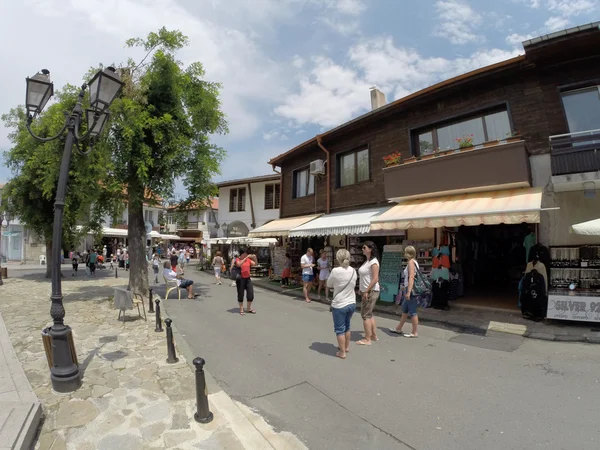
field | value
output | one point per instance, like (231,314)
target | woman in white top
(217,266)
(323,265)
(342,280)
(369,291)
(409,304)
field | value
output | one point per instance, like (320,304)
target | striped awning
(170,237)
(280,227)
(511,206)
(346,223)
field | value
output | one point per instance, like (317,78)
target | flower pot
(490,143)
(392,165)
(411,159)
(513,139)
(428,156)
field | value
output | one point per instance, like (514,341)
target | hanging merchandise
(389,272)
(440,292)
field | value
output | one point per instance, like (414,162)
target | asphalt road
(441,391)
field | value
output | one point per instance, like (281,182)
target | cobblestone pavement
(130,397)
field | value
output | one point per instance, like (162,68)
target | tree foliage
(161,130)
(35,166)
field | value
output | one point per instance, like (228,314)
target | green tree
(161,129)
(35,165)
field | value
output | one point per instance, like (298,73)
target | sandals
(410,335)
(393,330)
(339,355)
(363,342)
(251,311)
(242,313)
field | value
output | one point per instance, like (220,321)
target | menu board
(278,260)
(389,272)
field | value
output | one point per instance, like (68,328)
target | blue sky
(290,69)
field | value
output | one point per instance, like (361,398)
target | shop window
(272,196)
(353,167)
(304,183)
(582,108)
(237,200)
(489,126)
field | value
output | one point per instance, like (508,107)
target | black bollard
(116,273)
(203,414)
(158,328)
(172,356)
(150,302)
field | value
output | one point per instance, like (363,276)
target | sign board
(389,273)
(237,229)
(278,260)
(579,307)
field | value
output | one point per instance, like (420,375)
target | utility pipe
(328,176)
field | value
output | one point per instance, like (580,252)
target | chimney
(377,98)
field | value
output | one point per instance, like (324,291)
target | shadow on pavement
(324,348)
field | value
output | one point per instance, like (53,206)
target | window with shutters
(272,196)
(237,200)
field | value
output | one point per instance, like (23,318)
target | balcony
(575,153)
(487,167)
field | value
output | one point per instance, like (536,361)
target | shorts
(155,268)
(185,284)
(217,271)
(308,278)
(409,306)
(367,306)
(341,318)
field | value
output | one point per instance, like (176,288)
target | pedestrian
(369,291)
(323,265)
(244,262)
(187,256)
(104,253)
(174,259)
(218,264)
(343,304)
(85,258)
(287,271)
(307,264)
(182,283)
(126,259)
(409,303)
(112,260)
(181,259)
(93,259)
(155,266)
(234,271)
(74,262)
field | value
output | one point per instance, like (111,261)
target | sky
(289,69)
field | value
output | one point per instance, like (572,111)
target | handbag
(421,285)
(345,286)
(223,268)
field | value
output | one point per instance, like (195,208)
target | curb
(514,329)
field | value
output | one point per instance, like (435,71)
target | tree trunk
(136,235)
(48,258)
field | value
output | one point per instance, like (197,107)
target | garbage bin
(4,272)
(47,340)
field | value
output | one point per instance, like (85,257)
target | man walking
(307,263)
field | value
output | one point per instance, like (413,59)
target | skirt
(286,273)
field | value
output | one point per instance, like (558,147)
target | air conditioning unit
(317,167)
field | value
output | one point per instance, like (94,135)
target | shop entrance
(491,260)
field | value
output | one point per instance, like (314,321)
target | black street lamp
(3,216)
(104,88)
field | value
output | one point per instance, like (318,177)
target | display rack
(355,248)
(575,266)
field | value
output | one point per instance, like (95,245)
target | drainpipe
(253,224)
(280,186)
(320,144)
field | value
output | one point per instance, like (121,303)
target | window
(491,126)
(237,200)
(149,216)
(353,167)
(272,196)
(304,183)
(582,108)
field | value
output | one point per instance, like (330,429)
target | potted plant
(514,136)
(491,143)
(465,142)
(437,152)
(393,159)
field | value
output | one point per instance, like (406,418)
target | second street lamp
(64,374)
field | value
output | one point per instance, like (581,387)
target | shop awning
(170,237)
(346,223)
(280,227)
(113,232)
(10,233)
(511,206)
(590,228)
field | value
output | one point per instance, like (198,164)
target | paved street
(442,391)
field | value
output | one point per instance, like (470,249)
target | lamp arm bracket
(47,139)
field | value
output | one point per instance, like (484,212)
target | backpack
(421,285)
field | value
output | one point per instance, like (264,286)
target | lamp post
(3,217)
(104,88)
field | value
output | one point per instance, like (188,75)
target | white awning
(589,228)
(112,232)
(346,223)
(511,206)
(170,237)
(280,227)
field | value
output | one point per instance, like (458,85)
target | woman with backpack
(409,305)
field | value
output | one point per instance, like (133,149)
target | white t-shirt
(342,296)
(306,260)
(365,275)
(170,275)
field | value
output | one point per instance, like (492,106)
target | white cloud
(332,94)
(458,22)
(567,8)
(298,62)
(557,23)
(342,26)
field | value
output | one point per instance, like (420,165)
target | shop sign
(237,229)
(574,307)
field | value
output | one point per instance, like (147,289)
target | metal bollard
(151,303)
(172,356)
(203,414)
(158,328)
(116,272)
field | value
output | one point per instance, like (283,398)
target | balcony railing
(575,152)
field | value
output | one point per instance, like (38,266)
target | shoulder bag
(421,285)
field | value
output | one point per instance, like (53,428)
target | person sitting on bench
(182,283)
